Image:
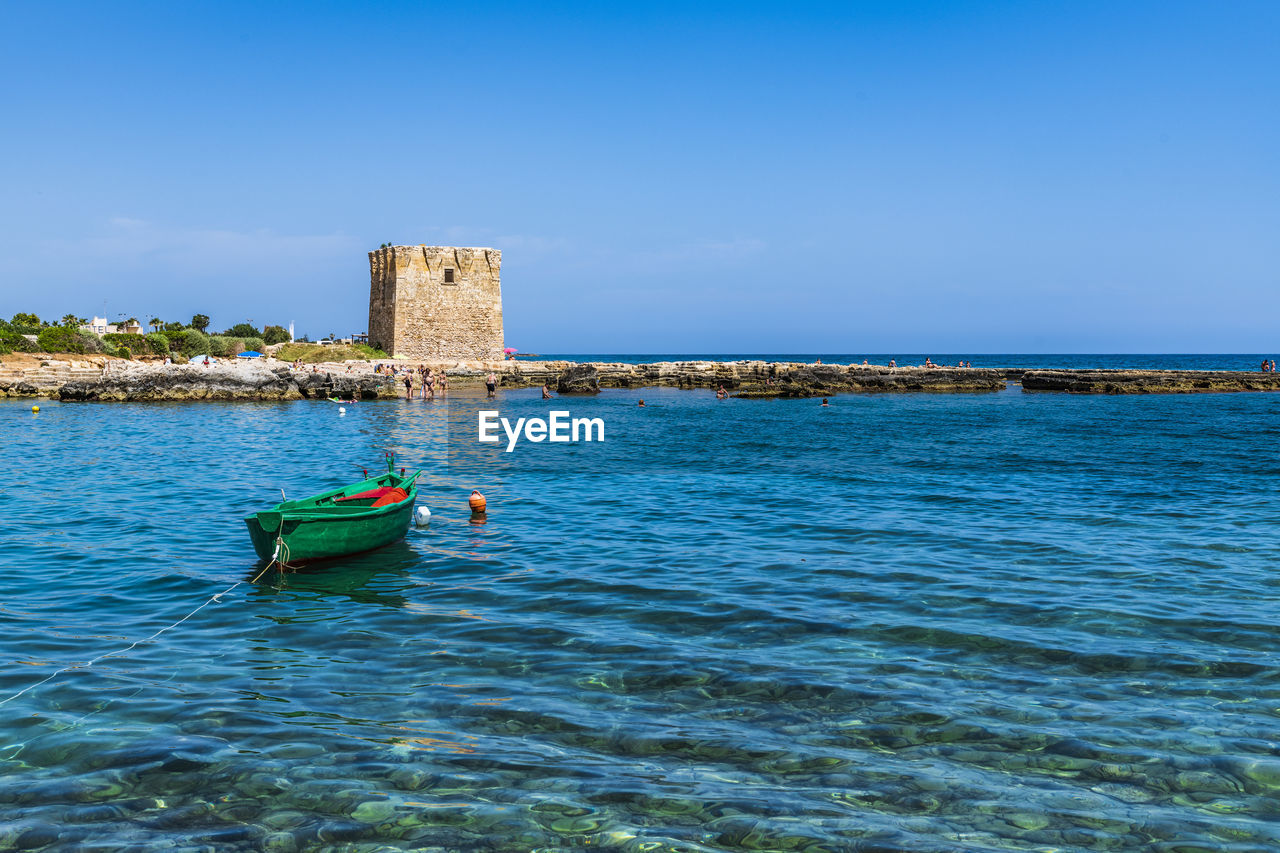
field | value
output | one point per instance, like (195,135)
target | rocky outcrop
(760,378)
(822,380)
(579,379)
(230,382)
(43,377)
(363,386)
(1148,381)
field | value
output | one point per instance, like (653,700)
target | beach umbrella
(510,350)
(249,354)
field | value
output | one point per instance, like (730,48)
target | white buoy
(342,410)
(422,516)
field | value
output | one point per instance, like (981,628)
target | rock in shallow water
(579,379)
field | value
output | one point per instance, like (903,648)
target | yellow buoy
(35,409)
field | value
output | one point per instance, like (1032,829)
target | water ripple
(1004,622)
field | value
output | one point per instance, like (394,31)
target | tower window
(448,275)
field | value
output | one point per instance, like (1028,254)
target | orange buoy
(477,502)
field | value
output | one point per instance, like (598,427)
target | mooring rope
(127,648)
(283,564)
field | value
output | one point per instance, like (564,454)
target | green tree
(60,339)
(242,330)
(158,343)
(71,321)
(275,335)
(194,342)
(200,321)
(156,323)
(173,327)
(27,321)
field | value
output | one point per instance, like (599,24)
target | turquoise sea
(901,623)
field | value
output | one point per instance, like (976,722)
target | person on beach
(491,385)
(444,383)
(1273,365)
(408,387)
(546,392)
(1265,367)
(893,362)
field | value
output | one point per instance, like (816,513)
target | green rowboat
(359,517)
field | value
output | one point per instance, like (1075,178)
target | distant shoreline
(98,379)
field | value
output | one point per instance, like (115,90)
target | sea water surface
(903,622)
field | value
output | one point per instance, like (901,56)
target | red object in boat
(393,496)
(372,493)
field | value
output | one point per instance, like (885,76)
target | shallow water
(915,622)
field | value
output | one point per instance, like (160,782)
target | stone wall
(415,311)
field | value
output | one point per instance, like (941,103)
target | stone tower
(438,303)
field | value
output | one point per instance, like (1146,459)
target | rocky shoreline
(117,380)
(1148,381)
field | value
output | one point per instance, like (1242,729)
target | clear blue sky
(982,177)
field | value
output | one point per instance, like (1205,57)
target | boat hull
(320,528)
